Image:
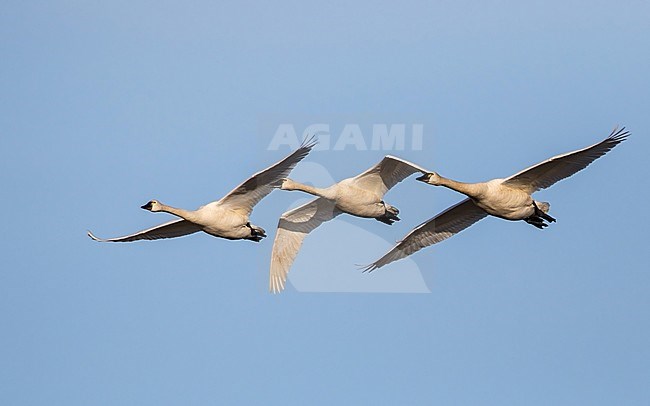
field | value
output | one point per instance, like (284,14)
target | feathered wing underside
(293,227)
(387,173)
(245,196)
(439,228)
(176,228)
(552,170)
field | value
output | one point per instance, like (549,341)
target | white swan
(225,218)
(509,199)
(361,196)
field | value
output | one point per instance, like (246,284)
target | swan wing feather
(387,173)
(245,196)
(546,173)
(176,228)
(293,227)
(444,225)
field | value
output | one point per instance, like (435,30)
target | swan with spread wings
(509,198)
(226,218)
(361,196)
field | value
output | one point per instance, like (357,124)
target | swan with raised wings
(226,218)
(509,199)
(360,196)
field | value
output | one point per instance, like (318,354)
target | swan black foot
(390,215)
(387,220)
(536,221)
(257,233)
(540,213)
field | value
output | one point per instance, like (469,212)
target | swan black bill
(424,178)
(147,206)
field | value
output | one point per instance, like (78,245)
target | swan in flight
(361,196)
(509,199)
(225,218)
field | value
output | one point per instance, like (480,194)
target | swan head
(432,178)
(152,205)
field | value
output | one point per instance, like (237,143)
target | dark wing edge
(176,228)
(263,182)
(442,226)
(551,171)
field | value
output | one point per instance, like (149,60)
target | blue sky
(109,104)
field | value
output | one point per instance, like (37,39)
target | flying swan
(361,196)
(225,218)
(509,199)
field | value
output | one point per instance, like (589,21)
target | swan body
(226,218)
(508,199)
(360,196)
(494,197)
(214,219)
(349,197)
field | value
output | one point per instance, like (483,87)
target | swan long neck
(326,193)
(188,215)
(469,189)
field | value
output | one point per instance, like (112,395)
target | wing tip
(301,153)
(618,135)
(276,284)
(413,165)
(93,237)
(368,268)
(309,142)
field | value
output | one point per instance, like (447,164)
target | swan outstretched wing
(293,227)
(245,196)
(439,228)
(546,173)
(387,173)
(176,228)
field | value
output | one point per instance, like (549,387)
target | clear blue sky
(106,105)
